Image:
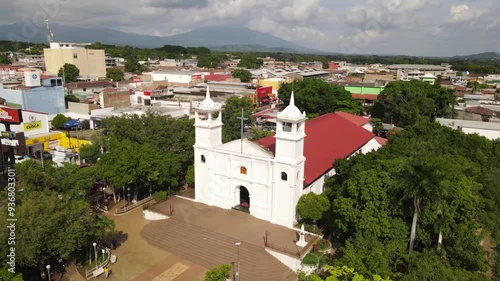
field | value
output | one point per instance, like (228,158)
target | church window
(243,170)
(203,159)
(287,127)
(284,176)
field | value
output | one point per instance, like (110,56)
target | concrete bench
(98,272)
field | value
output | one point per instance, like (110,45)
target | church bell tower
(289,163)
(208,134)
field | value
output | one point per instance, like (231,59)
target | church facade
(266,178)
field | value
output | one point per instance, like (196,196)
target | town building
(90,62)
(266,178)
(178,78)
(36,94)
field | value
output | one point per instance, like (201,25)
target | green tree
(51,227)
(70,72)
(243,74)
(132,65)
(4,59)
(190,176)
(230,114)
(114,74)
(407,102)
(312,206)
(250,61)
(70,98)
(59,120)
(259,134)
(218,273)
(96,45)
(317,97)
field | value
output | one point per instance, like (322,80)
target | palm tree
(425,182)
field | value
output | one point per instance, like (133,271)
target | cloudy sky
(411,27)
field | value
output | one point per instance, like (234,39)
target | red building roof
(371,97)
(217,77)
(380,140)
(358,120)
(328,137)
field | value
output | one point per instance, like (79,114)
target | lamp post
(103,251)
(95,251)
(128,194)
(238,260)
(48,270)
(105,199)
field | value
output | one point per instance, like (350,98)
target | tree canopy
(4,59)
(416,203)
(230,114)
(250,61)
(243,74)
(317,97)
(218,273)
(70,72)
(59,120)
(114,74)
(311,206)
(54,214)
(404,103)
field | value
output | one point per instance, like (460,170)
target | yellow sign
(32,125)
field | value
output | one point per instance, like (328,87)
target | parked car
(73,125)
(18,159)
(46,155)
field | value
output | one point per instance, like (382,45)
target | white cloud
(461,13)
(295,33)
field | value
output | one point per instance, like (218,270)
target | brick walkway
(137,260)
(207,236)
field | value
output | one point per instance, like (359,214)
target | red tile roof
(358,120)
(328,137)
(364,96)
(217,77)
(380,140)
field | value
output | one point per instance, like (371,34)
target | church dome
(208,104)
(291,111)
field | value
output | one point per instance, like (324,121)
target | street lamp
(95,251)
(48,270)
(105,199)
(238,260)
(128,194)
(103,251)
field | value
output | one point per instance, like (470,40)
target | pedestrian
(113,244)
(106,272)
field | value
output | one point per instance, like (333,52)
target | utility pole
(242,118)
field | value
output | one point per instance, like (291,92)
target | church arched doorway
(242,199)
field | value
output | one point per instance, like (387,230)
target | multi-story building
(90,62)
(35,94)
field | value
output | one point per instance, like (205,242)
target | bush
(59,120)
(86,124)
(324,244)
(311,259)
(160,196)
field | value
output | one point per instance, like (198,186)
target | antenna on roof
(50,35)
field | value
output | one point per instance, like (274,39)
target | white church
(266,178)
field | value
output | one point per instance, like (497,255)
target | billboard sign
(10,142)
(264,92)
(8,134)
(10,115)
(196,76)
(32,125)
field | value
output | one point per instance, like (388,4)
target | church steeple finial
(207,95)
(292,100)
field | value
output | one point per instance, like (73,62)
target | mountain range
(217,38)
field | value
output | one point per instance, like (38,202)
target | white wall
(12,96)
(489,134)
(172,78)
(45,99)
(153,216)
(370,146)
(291,262)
